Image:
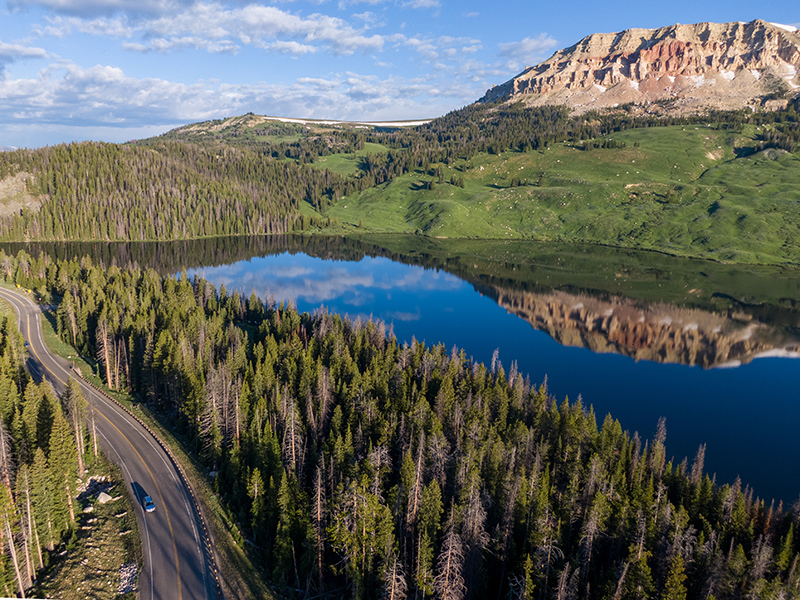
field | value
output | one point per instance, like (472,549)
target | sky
(116,70)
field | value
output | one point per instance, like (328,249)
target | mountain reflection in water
(649,331)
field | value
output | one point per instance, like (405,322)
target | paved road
(177,565)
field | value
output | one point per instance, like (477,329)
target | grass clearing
(689,191)
(345,163)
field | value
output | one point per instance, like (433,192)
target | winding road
(178,560)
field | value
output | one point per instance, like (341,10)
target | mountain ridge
(678,67)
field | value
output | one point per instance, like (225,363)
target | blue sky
(116,70)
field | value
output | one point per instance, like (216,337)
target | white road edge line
(144,517)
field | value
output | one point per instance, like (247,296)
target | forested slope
(360,467)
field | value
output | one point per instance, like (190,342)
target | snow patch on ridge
(791,73)
(368,123)
(789,28)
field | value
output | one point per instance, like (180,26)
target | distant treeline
(168,188)
(362,468)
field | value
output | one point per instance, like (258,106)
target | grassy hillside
(686,190)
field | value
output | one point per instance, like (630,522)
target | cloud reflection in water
(372,286)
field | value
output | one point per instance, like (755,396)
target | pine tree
(786,552)
(674,589)
(63,461)
(6,460)
(45,501)
(76,410)
(257,494)
(8,526)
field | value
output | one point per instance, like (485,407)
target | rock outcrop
(655,332)
(718,65)
(14,195)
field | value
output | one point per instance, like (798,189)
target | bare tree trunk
(395,581)
(13,550)
(449,583)
(69,500)
(318,514)
(103,351)
(417,491)
(94,429)
(236,413)
(116,364)
(77,426)
(74,325)
(30,572)
(6,463)
(126,363)
(618,593)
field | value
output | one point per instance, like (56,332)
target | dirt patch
(14,195)
(646,184)
(101,561)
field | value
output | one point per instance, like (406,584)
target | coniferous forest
(362,468)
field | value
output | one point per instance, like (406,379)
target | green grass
(680,190)
(348,163)
(6,310)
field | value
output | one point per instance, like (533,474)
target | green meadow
(347,163)
(683,190)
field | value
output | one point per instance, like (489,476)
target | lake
(712,348)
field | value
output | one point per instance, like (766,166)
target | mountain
(680,68)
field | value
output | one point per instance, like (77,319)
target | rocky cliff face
(719,65)
(656,332)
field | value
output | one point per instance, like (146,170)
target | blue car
(148,503)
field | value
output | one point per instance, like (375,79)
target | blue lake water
(748,416)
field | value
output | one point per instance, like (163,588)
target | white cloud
(422,4)
(528,51)
(442,72)
(61,27)
(94,7)
(215,28)
(369,18)
(432,49)
(327,84)
(12,52)
(343,4)
(104,96)
(292,47)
